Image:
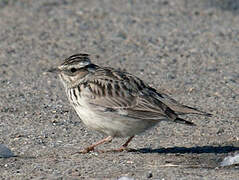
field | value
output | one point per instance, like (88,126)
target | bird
(115,102)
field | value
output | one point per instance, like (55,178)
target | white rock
(230,160)
(125,178)
(5,152)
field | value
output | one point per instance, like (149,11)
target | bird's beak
(54,70)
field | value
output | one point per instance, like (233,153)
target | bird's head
(74,69)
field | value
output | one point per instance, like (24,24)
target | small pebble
(5,152)
(125,178)
(149,175)
(230,160)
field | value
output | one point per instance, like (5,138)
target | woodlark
(116,103)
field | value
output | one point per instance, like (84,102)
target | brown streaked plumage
(116,103)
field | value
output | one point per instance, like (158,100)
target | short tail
(182,121)
(179,108)
(191,110)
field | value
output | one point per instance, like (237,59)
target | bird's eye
(73,70)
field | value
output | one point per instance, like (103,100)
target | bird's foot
(84,151)
(90,149)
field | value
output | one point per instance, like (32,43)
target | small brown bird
(116,103)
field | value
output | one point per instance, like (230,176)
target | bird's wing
(130,105)
(127,95)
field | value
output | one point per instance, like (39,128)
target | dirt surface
(188,48)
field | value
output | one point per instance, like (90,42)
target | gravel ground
(188,48)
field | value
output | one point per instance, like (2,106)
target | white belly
(110,123)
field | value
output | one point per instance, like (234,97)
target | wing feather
(121,92)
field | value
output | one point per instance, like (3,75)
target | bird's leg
(124,146)
(127,142)
(92,147)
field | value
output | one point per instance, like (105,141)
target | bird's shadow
(190,150)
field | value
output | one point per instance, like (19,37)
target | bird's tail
(190,110)
(179,108)
(182,121)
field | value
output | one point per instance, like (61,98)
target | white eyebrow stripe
(77,66)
